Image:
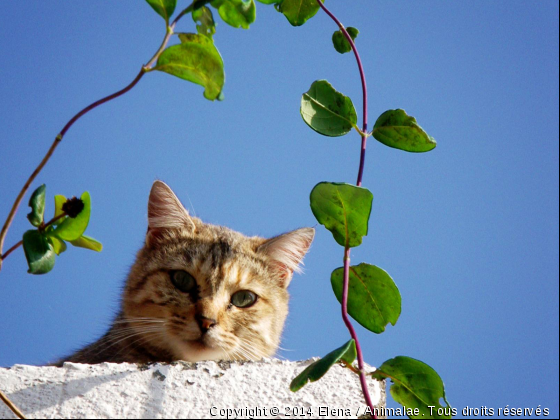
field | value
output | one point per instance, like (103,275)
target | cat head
(203,292)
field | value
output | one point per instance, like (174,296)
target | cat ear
(165,211)
(287,251)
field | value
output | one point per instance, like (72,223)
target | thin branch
(196,4)
(349,366)
(51,150)
(364,90)
(9,251)
(80,114)
(358,183)
(41,229)
(53,220)
(11,405)
(352,331)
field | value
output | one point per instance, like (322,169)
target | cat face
(203,292)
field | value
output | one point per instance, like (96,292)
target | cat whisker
(150,337)
(173,282)
(243,355)
(106,346)
(140,321)
(192,207)
(119,337)
(147,336)
(227,353)
(250,352)
(132,332)
(253,333)
(137,328)
(131,318)
(132,325)
(232,343)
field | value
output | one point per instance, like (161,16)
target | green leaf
(270,1)
(373,297)
(88,243)
(59,246)
(340,41)
(317,370)
(327,111)
(415,385)
(237,13)
(72,228)
(37,204)
(197,60)
(299,11)
(343,209)
(396,129)
(204,21)
(39,252)
(59,201)
(164,8)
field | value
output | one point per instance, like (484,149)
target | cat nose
(204,323)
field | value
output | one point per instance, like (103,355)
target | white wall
(179,390)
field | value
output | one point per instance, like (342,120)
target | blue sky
(469,231)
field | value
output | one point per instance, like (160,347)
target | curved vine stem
(12,249)
(60,136)
(346,282)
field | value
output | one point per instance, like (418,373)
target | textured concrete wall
(181,390)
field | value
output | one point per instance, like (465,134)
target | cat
(198,291)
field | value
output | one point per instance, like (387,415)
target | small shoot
(340,42)
(236,13)
(164,8)
(71,218)
(316,370)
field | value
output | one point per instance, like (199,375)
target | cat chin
(196,351)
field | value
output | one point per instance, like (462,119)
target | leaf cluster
(373,298)
(197,59)
(71,218)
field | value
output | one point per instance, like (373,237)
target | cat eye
(183,281)
(243,299)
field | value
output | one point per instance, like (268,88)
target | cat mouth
(199,350)
(200,344)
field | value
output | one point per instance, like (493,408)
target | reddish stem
(353,334)
(51,150)
(358,183)
(53,220)
(76,117)
(364,90)
(41,229)
(12,249)
(101,102)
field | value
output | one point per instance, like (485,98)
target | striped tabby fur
(159,322)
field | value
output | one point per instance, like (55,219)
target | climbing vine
(367,293)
